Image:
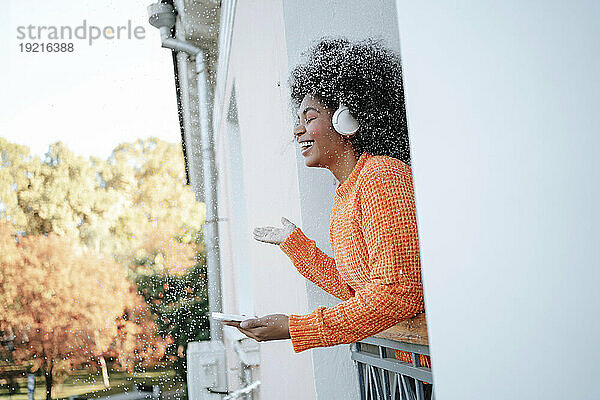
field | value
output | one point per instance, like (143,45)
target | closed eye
(309,113)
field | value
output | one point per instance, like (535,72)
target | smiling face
(320,144)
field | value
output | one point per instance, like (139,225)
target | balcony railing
(382,377)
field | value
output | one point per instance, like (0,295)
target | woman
(376,268)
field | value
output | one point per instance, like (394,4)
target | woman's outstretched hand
(273,235)
(269,327)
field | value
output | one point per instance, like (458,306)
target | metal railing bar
(361,378)
(399,367)
(395,387)
(385,374)
(370,380)
(407,388)
(377,380)
(392,344)
(416,362)
(367,378)
(401,388)
(419,390)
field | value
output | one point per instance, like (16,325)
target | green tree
(151,176)
(17,167)
(111,205)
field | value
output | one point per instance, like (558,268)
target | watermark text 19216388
(54,47)
(51,34)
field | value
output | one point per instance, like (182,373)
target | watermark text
(85,31)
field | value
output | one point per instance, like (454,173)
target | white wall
(257,69)
(502,102)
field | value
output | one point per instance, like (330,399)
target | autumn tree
(60,300)
(138,342)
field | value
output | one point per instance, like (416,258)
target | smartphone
(217,316)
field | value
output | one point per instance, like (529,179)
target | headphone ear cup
(343,121)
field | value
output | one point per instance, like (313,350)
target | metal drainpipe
(211,228)
(211,225)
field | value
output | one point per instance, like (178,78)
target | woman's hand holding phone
(269,327)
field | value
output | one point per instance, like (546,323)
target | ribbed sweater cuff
(294,246)
(305,332)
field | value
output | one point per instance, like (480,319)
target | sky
(91,99)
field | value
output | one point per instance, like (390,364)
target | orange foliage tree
(59,300)
(138,341)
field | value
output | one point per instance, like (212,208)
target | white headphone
(343,122)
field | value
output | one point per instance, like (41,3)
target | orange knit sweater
(376,270)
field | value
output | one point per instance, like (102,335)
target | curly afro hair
(367,78)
